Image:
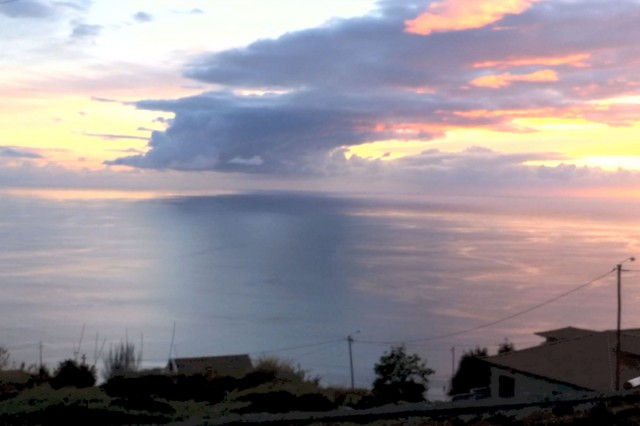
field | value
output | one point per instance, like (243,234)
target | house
(570,360)
(212,366)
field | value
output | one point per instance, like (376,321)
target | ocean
(292,275)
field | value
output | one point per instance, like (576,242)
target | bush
(256,378)
(314,402)
(136,387)
(143,404)
(353,398)
(283,370)
(70,373)
(269,402)
(197,387)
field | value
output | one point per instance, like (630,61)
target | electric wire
(293,348)
(491,323)
(441,336)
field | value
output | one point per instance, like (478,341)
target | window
(506,387)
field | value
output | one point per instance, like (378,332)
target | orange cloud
(501,80)
(455,15)
(576,60)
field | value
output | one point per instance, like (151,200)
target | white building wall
(526,386)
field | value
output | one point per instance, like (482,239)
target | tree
(121,360)
(70,373)
(506,347)
(472,372)
(401,377)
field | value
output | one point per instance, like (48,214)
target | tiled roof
(564,333)
(587,361)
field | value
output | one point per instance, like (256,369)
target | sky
(469,96)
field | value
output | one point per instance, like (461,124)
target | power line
(7,1)
(498,321)
(293,348)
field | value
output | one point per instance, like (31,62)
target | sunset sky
(507,96)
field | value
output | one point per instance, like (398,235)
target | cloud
(143,17)
(456,15)
(14,152)
(27,9)
(479,169)
(41,9)
(576,60)
(111,136)
(86,31)
(295,104)
(502,80)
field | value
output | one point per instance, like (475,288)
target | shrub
(136,387)
(256,378)
(197,387)
(143,404)
(350,397)
(283,370)
(269,402)
(314,402)
(70,373)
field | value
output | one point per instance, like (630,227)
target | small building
(212,366)
(570,360)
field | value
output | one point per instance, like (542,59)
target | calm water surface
(292,275)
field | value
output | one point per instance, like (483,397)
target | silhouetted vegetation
(70,373)
(401,377)
(121,360)
(472,372)
(506,347)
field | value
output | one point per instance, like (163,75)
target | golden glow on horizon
(502,80)
(454,15)
(77,132)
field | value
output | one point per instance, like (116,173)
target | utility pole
(350,342)
(618,328)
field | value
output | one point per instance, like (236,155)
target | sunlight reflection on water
(258,272)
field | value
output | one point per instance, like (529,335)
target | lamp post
(618,329)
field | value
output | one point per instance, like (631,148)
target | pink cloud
(502,80)
(455,15)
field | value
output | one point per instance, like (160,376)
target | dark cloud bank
(367,79)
